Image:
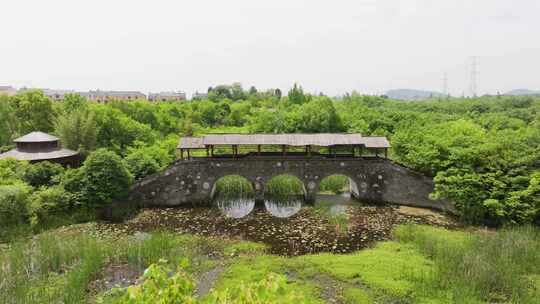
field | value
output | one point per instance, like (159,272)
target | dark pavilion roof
(36,137)
(38,151)
(34,156)
(321,139)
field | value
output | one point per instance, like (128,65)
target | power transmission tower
(474,76)
(445,84)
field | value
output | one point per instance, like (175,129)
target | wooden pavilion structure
(39,146)
(355,144)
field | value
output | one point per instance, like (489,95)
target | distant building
(7,90)
(57,95)
(167,96)
(39,146)
(106,96)
(198,95)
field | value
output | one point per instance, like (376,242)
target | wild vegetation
(483,154)
(423,265)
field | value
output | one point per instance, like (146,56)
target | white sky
(329,46)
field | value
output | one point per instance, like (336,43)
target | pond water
(284,206)
(289,226)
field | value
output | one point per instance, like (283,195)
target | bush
(11,170)
(159,286)
(14,201)
(141,164)
(50,202)
(74,182)
(43,174)
(106,178)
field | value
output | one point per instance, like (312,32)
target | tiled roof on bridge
(321,139)
(376,142)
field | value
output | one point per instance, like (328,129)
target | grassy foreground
(422,265)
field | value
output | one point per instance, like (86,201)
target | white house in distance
(167,96)
(7,90)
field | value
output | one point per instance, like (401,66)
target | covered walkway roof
(321,139)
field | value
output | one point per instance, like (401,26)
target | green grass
(334,184)
(256,268)
(233,186)
(357,296)
(389,268)
(479,267)
(284,185)
(423,265)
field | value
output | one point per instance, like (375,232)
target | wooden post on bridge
(386,153)
(259,150)
(182,154)
(212,150)
(188,154)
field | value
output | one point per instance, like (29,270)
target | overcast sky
(329,46)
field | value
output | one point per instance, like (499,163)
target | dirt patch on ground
(206,281)
(122,275)
(304,233)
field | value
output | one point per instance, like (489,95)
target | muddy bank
(308,231)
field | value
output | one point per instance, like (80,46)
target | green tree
(34,111)
(118,132)
(50,202)
(43,174)
(296,95)
(14,201)
(106,178)
(319,115)
(74,102)
(141,164)
(8,121)
(12,170)
(78,130)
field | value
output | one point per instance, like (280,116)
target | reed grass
(234,186)
(335,184)
(284,185)
(494,267)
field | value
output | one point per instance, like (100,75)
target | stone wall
(191,182)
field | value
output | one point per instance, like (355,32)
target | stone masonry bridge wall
(376,180)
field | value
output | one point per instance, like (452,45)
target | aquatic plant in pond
(233,186)
(334,184)
(284,185)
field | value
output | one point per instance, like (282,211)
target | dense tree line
(483,153)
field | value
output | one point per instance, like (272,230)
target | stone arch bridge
(377,180)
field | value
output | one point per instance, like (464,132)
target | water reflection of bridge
(277,207)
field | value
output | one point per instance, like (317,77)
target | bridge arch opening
(284,195)
(234,196)
(338,184)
